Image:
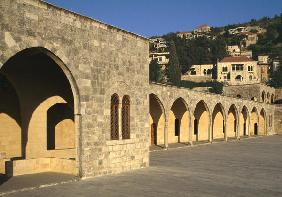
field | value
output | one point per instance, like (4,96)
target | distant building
(249,38)
(159,51)
(234,50)
(275,64)
(185,35)
(237,30)
(199,73)
(264,66)
(263,59)
(255,29)
(162,58)
(202,29)
(237,70)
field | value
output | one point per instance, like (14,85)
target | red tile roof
(237,59)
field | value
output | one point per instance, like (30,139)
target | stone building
(237,71)
(75,98)
(235,50)
(159,51)
(199,73)
(264,67)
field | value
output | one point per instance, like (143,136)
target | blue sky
(158,17)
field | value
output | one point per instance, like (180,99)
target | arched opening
(218,122)
(244,122)
(178,123)
(254,122)
(157,120)
(239,96)
(201,122)
(43,92)
(272,98)
(262,123)
(268,98)
(238,78)
(263,96)
(232,120)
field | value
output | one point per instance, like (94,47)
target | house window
(125,117)
(250,68)
(114,117)
(237,67)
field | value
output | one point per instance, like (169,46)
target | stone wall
(101,60)
(251,92)
(278,119)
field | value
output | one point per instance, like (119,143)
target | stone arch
(178,122)
(262,122)
(254,122)
(45,85)
(201,125)
(232,121)
(263,96)
(218,122)
(157,120)
(244,120)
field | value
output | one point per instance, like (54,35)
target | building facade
(237,71)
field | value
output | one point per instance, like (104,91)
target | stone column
(190,130)
(210,129)
(225,130)
(166,134)
(238,128)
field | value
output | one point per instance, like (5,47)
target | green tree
(276,78)
(155,72)
(173,71)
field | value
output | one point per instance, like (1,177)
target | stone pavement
(250,167)
(28,182)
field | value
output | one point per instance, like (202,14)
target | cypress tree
(155,72)
(173,70)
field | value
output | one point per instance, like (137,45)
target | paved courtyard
(250,167)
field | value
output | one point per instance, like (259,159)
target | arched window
(238,78)
(114,117)
(125,117)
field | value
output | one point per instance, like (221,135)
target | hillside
(207,48)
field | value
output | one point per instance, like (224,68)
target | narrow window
(114,117)
(125,117)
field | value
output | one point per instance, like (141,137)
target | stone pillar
(190,130)
(225,130)
(210,129)
(238,128)
(166,134)
(78,143)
